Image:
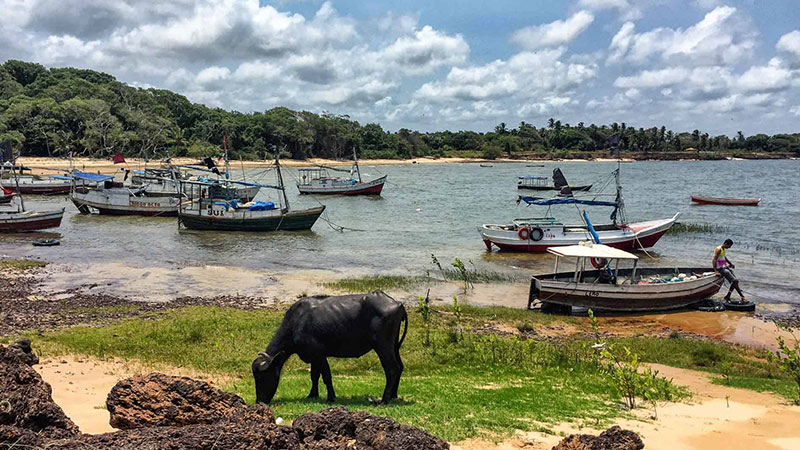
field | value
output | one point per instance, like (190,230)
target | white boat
(109,198)
(606,287)
(540,233)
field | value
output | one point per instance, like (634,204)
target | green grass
(21,264)
(481,385)
(371,283)
(680,228)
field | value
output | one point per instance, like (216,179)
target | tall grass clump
(371,283)
(469,275)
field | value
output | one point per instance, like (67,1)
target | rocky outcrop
(162,400)
(614,438)
(26,403)
(338,428)
(159,411)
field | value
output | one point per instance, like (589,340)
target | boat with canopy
(615,289)
(214,206)
(538,234)
(316,180)
(101,194)
(538,183)
(14,179)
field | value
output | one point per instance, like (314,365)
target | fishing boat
(487,165)
(98,193)
(13,178)
(25,220)
(538,183)
(316,180)
(213,206)
(727,201)
(598,283)
(541,233)
(6,195)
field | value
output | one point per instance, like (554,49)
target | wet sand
(94,284)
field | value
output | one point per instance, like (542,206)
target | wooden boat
(213,207)
(536,183)
(109,198)
(30,220)
(487,165)
(728,201)
(606,287)
(541,233)
(33,184)
(23,220)
(6,195)
(316,180)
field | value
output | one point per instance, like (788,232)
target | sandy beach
(46,166)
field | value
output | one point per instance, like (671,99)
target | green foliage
(107,116)
(468,276)
(424,310)
(787,358)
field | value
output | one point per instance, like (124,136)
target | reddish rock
(26,402)
(338,428)
(156,399)
(614,438)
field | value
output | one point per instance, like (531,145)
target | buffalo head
(267,373)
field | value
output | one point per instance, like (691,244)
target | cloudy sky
(721,66)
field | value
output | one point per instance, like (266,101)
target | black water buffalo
(346,326)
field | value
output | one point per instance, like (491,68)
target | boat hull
(124,205)
(30,220)
(374,187)
(727,201)
(553,188)
(634,236)
(558,290)
(242,221)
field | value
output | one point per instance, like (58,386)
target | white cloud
(769,78)
(790,43)
(653,78)
(425,50)
(526,74)
(720,38)
(555,33)
(625,9)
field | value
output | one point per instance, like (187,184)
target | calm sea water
(435,209)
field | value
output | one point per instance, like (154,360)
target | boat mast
(16,181)
(620,199)
(280,178)
(355,163)
(227,164)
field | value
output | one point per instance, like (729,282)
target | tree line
(79,112)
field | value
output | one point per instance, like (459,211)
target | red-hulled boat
(727,201)
(5,195)
(316,180)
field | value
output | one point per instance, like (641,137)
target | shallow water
(435,208)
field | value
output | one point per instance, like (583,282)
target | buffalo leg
(326,378)
(400,364)
(314,381)
(392,368)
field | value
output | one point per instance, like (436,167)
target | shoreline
(60,295)
(51,165)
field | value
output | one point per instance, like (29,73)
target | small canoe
(728,201)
